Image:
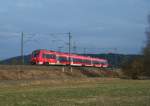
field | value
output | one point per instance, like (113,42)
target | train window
(104,62)
(49,56)
(77,60)
(62,59)
(87,61)
(35,53)
(96,62)
(44,55)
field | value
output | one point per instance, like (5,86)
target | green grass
(78,93)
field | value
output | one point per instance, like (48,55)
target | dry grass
(8,72)
(15,72)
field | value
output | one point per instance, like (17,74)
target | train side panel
(57,58)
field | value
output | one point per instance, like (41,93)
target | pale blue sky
(99,24)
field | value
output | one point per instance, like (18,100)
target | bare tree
(139,66)
(146,51)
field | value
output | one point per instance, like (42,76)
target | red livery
(47,57)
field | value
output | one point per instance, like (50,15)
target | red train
(47,57)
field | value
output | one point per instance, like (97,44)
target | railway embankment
(28,72)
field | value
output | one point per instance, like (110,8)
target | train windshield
(35,54)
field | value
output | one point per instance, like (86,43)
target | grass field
(75,92)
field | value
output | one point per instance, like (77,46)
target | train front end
(36,57)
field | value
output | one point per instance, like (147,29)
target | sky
(100,26)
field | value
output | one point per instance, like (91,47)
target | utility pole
(22,48)
(116,59)
(69,47)
(69,34)
(22,57)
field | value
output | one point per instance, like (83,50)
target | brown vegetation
(15,72)
(139,66)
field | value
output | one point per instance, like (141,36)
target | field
(75,92)
(52,86)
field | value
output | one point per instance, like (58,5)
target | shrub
(133,69)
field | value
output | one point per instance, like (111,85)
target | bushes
(146,52)
(99,73)
(133,69)
(141,66)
